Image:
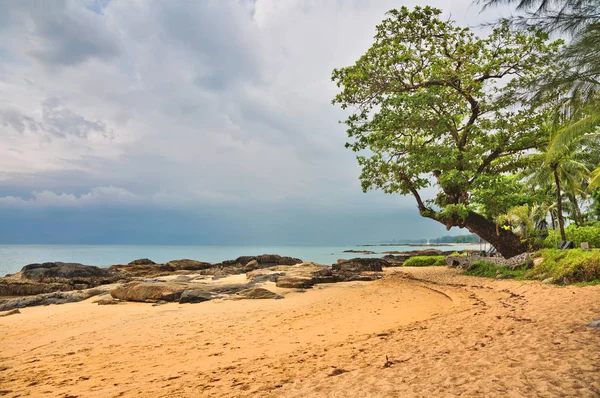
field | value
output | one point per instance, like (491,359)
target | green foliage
(588,233)
(568,266)
(431,98)
(595,208)
(489,270)
(425,261)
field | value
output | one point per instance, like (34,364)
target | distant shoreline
(422,244)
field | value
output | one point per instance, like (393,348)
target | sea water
(14,257)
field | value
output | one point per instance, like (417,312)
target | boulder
(360,265)
(195,296)
(142,261)
(189,265)
(396,260)
(61,272)
(251,265)
(256,293)
(149,292)
(51,277)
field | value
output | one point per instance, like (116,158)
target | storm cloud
(184,111)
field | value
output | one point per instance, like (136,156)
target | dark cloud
(185,122)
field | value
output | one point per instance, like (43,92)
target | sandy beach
(417,332)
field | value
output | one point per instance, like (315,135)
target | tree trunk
(578,216)
(561,220)
(507,243)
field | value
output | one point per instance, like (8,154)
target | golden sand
(431,332)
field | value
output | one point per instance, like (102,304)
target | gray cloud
(183,104)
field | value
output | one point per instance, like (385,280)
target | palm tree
(556,165)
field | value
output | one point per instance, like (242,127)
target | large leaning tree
(433,109)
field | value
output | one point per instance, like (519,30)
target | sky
(189,122)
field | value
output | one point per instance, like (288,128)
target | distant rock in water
(359,251)
(424,252)
(52,277)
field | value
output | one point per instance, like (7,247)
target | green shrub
(489,270)
(568,266)
(590,234)
(425,261)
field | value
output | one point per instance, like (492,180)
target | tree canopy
(434,106)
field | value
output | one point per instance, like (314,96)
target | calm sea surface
(14,257)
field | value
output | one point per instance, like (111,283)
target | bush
(568,266)
(489,270)
(590,234)
(425,261)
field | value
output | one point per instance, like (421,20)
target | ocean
(14,257)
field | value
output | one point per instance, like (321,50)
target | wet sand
(419,332)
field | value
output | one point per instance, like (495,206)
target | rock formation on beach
(54,277)
(183,281)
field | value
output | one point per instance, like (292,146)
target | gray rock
(36,279)
(594,324)
(195,296)
(52,298)
(360,265)
(142,270)
(548,280)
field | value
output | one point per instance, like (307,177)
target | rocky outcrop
(52,277)
(306,275)
(256,293)
(262,275)
(54,298)
(357,265)
(142,261)
(249,263)
(188,265)
(396,260)
(149,292)
(142,270)
(359,251)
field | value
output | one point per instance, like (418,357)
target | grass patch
(425,261)
(568,266)
(489,270)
